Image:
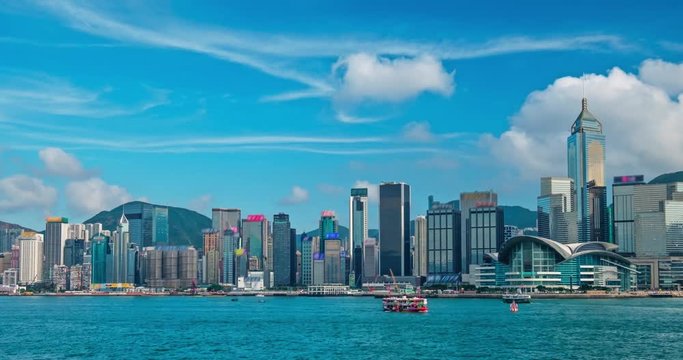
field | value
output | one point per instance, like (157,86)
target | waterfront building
(159,225)
(358,224)
(74,249)
(31,264)
(469,201)
(556,218)
(134,273)
(333,273)
(599,213)
(370,260)
(100,251)
(306,260)
(357,279)
(443,241)
(329,228)
(284,246)
(530,261)
(60,277)
(173,267)
(10,277)
(485,230)
(586,166)
(231,239)
(212,255)
(255,234)
(121,242)
(56,233)
(394,229)
(318,269)
(420,247)
(297,279)
(79,277)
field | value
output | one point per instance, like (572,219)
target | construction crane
(393,278)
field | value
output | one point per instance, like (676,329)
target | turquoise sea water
(307,328)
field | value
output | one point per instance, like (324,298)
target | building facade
(255,234)
(443,240)
(159,225)
(556,217)
(469,201)
(284,245)
(358,224)
(31,264)
(420,247)
(213,255)
(328,228)
(307,261)
(484,233)
(394,229)
(586,166)
(56,233)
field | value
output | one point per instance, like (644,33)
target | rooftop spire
(584,104)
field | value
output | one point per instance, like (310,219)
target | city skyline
(104,123)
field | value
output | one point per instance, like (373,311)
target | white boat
(517,298)
(405,304)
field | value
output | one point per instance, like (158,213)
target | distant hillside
(668,178)
(519,216)
(184,226)
(6,225)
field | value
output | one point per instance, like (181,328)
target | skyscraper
(624,214)
(420,247)
(586,166)
(370,260)
(139,215)
(212,255)
(555,210)
(231,239)
(120,251)
(599,214)
(56,233)
(283,248)
(485,233)
(469,201)
(224,219)
(31,257)
(332,262)
(74,249)
(443,242)
(328,226)
(358,223)
(255,235)
(394,229)
(159,225)
(306,260)
(99,251)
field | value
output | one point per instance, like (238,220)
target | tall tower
(586,166)
(282,250)
(394,229)
(329,228)
(358,223)
(120,251)
(56,233)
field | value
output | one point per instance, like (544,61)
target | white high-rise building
(555,208)
(30,257)
(420,247)
(120,251)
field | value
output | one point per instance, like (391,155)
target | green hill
(184,226)
(6,225)
(668,178)
(519,216)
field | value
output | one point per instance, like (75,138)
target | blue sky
(275,107)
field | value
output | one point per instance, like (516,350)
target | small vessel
(517,298)
(405,304)
(660,294)
(514,307)
(260,295)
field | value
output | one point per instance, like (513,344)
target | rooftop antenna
(584,101)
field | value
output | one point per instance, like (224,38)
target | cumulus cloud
(94,195)
(373,189)
(201,203)
(640,120)
(21,192)
(418,132)
(298,195)
(662,74)
(366,77)
(58,162)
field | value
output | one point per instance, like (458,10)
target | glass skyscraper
(469,201)
(255,237)
(484,233)
(329,228)
(99,252)
(586,166)
(159,226)
(394,229)
(443,240)
(283,248)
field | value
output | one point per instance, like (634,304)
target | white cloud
(641,122)
(58,162)
(201,203)
(662,74)
(368,77)
(351,119)
(298,195)
(21,192)
(373,189)
(418,131)
(93,195)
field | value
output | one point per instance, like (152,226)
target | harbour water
(343,327)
